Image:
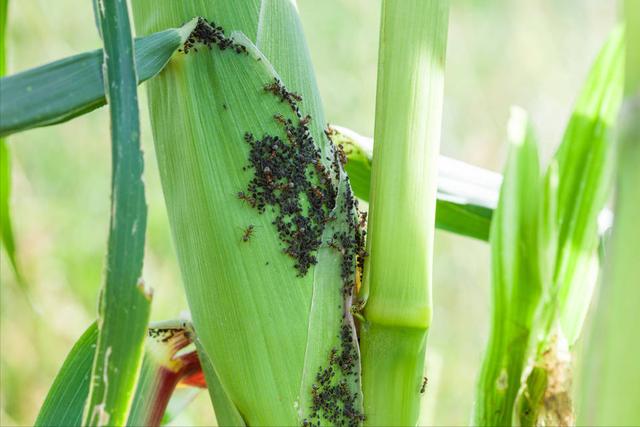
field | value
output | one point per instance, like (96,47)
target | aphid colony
(290,179)
(208,34)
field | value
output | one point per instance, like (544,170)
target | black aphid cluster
(287,172)
(208,34)
(179,337)
(290,179)
(332,399)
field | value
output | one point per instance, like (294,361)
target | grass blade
(124,303)
(466,198)
(397,278)
(576,189)
(516,278)
(611,374)
(64,89)
(66,399)
(584,180)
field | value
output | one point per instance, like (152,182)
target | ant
(424,385)
(248,232)
(246,198)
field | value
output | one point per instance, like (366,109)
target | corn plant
(305,307)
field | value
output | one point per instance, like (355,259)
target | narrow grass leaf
(64,89)
(516,285)
(124,303)
(584,180)
(397,276)
(66,398)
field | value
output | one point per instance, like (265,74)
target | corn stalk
(397,276)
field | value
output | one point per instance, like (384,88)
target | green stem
(397,283)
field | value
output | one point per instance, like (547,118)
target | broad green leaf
(124,304)
(66,399)
(231,257)
(516,284)
(611,376)
(73,86)
(397,274)
(466,194)
(226,412)
(584,180)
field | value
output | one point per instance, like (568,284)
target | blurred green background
(503,52)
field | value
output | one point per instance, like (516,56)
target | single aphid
(424,385)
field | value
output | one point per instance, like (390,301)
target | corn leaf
(397,276)
(231,259)
(466,194)
(124,303)
(66,399)
(516,281)
(576,189)
(611,375)
(584,179)
(227,413)
(73,86)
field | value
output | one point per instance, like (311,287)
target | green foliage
(516,281)
(64,89)
(124,303)
(584,182)
(67,396)
(556,240)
